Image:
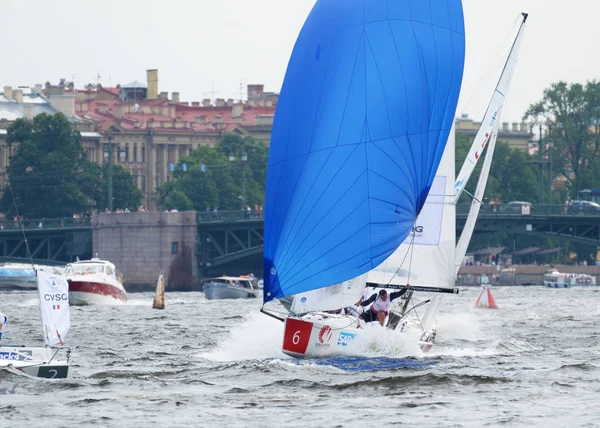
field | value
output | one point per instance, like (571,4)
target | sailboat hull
(34,361)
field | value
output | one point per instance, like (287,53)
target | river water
(535,361)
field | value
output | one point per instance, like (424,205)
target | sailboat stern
(53,370)
(319,335)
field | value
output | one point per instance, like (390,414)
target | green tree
(516,179)
(256,167)
(511,176)
(49,174)
(126,194)
(212,180)
(571,115)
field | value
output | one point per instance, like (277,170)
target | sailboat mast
(492,114)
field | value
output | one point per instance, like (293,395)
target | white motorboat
(230,287)
(555,279)
(94,281)
(50,361)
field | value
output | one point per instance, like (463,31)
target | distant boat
(15,276)
(159,295)
(44,361)
(21,276)
(94,281)
(555,279)
(230,287)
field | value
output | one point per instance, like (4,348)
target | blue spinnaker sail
(364,113)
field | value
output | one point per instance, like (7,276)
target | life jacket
(381,305)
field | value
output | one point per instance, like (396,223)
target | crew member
(381,305)
(2,323)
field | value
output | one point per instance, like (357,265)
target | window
(143,154)
(143,183)
(174,247)
(135,152)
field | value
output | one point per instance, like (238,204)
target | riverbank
(518,274)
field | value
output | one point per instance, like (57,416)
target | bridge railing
(503,210)
(43,223)
(210,216)
(500,210)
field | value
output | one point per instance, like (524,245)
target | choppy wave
(202,363)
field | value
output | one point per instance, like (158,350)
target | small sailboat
(431,243)
(362,122)
(159,294)
(52,360)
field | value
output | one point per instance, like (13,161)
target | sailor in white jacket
(380,305)
(2,323)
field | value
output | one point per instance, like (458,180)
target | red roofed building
(149,131)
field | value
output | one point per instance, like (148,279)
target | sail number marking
(297,335)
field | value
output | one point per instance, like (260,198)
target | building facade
(516,135)
(144,129)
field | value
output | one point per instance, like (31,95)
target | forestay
(362,121)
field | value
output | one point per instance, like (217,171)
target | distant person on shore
(3,320)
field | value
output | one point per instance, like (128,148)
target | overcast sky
(201,46)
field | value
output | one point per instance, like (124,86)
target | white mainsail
(492,114)
(54,305)
(489,127)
